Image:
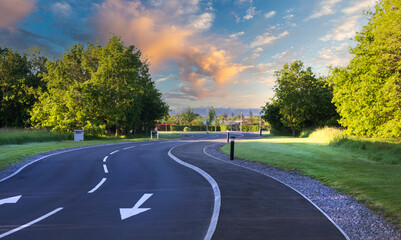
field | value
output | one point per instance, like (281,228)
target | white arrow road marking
(129,212)
(10,200)
(30,223)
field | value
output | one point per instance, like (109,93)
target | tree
(271,114)
(212,116)
(101,89)
(189,116)
(367,92)
(20,79)
(303,100)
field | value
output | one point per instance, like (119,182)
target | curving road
(153,190)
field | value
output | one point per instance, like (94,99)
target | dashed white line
(129,147)
(105,168)
(146,144)
(98,185)
(114,152)
(30,223)
(105,158)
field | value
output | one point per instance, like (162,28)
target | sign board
(78,135)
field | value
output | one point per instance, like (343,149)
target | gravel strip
(354,218)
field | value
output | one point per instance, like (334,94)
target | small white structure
(78,135)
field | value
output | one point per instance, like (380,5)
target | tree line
(102,89)
(363,97)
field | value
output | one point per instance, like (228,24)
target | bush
(223,128)
(250,128)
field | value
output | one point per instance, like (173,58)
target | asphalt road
(153,190)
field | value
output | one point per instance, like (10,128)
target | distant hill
(204,110)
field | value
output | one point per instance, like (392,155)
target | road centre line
(128,147)
(146,144)
(114,152)
(30,223)
(98,185)
(105,168)
(317,207)
(216,191)
(105,158)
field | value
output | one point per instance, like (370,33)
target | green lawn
(374,182)
(13,153)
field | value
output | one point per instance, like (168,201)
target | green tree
(100,89)
(211,116)
(303,100)
(188,117)
(271,114)
(367,92)
(20,79)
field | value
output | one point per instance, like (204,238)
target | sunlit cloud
(61,9)
(270,14)
(358,7)
(326,7)
(267,38)
(344,31)
(203,67)
(236,35)
(251,12)
(12,11)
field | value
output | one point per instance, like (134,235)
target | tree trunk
(293,131)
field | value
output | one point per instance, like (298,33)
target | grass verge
(340,162)
(14,153)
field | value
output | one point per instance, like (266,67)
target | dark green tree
(20,80)
(367,92)
(303,100)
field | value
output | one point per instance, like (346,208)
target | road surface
(153,190)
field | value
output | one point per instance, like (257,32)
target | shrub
(187,129)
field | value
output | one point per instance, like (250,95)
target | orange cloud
(12,11)
(162,34)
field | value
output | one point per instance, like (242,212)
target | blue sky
(220,53)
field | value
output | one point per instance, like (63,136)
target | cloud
(344,31)
(326,7)
(12,11)
(236,35)
(204,67)
(204,21)
(251,12)
(288,17)
(270,14)
(267,38)
(358,7)
(336,56)
(61,9)
(165,78)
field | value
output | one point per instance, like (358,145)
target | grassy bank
(368,169)
(13,153)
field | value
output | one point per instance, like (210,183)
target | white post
(157,134)
(151,135)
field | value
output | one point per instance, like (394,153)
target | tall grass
(386,151)
(19,136)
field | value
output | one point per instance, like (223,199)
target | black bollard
(232,148)
(228,137)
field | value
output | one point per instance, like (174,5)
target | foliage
(223,128)
(20,79)
(187,129)
(99,88)
(271,114)
(19,136)
(302,99)
(367,92)
(250,128)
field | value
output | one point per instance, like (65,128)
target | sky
(220,53)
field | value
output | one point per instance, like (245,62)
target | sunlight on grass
(351,165)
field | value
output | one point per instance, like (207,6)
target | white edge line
(128,147)
(114,152)
(105,168)
(105,158)
(69,150)
(98,185)
(30,223)
(318,208)
(216,191)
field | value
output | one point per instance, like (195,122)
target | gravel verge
(354,218)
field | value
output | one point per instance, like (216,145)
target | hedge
(179,128)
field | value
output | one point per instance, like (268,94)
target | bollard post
(157,134)
(232,148)
(151,135)
(228,137)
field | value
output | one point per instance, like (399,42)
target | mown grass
(14,153)
(368,169)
